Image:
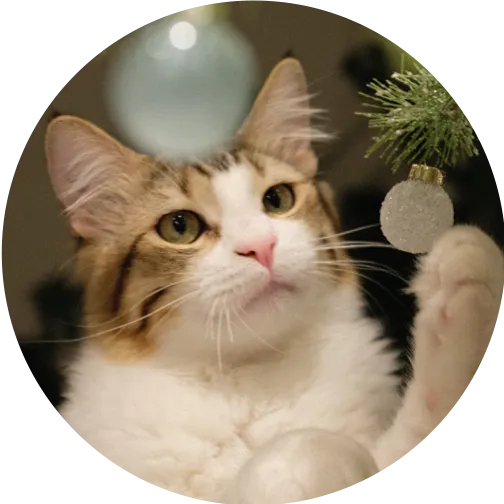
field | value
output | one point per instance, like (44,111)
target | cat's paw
(301,465)
(463,255)
(460,280)
(459,289)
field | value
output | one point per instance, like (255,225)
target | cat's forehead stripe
(177,175)
(201,169)
(223,162)
(182,175)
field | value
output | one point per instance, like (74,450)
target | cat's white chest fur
(190,429)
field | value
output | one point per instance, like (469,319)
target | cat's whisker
(209,332)
(160,309)
(328,275)
(323,238)
(169,307)
(249,329)
(364,265)
(320,79)
(348,245)
(162,317)
(333,267)
(66,263)
(131,308)
(356,230)
(364,261)
(343,245)
(228,321)
(219,342)
(345,233)
(369,279)
(126,324)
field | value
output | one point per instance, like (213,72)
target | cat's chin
(273,292)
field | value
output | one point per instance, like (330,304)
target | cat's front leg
(301,465)
(459,289)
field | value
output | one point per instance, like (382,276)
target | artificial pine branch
(419,121)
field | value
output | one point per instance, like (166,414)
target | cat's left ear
(280,121)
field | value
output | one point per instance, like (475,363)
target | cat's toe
(462,256)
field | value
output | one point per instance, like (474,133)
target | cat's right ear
(280,123)
(91,173)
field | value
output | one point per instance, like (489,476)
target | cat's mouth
(271,291)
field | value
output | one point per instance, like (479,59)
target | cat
(227,354)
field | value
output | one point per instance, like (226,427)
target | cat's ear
(92,175)
(280,121)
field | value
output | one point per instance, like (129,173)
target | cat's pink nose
(260,250)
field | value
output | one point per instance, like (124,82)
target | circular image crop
(252,253)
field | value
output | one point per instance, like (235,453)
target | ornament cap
(426,173)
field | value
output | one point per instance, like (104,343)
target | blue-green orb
(179,89)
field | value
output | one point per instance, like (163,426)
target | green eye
(182,227)
(278,199)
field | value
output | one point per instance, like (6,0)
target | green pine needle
(419,121)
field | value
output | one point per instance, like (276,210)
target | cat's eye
(182,227)
(278,199)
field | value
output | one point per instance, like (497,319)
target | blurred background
(339,57)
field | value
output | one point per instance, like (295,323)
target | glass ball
(180,89)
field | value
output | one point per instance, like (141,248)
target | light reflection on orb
(183,35)
(180,89)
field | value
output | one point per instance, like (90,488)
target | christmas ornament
(417,211)
(181,86)
(418,121)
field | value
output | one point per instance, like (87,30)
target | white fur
(221,416)
(184,426)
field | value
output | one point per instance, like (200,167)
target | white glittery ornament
(417,211)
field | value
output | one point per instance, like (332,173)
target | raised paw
(301,465)
(459,289)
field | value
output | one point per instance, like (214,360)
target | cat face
(228,245)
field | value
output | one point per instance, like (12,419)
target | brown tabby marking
(146,308)
(122,277)
(201,170)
